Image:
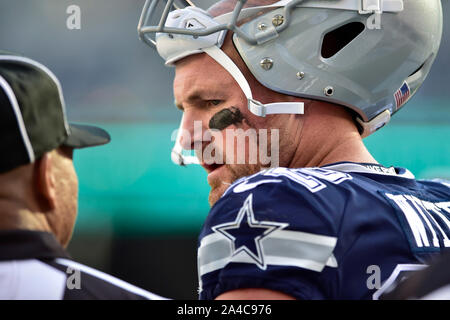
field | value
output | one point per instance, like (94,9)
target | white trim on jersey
(108,278)
(388,284)
(15,106)
(281,247)
(31,280)
(368,168)
(438,294)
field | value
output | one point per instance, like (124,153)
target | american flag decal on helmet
(402,95)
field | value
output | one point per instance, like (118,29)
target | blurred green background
(133,183)
(140,214)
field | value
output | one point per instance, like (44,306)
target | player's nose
(193,128)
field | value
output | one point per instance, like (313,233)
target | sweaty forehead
(225,6)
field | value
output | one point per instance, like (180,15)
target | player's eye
(215,102)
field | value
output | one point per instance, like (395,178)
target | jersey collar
(27,244)
(370,168)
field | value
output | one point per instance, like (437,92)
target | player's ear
(45,179)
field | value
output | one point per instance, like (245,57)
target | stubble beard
(231,174)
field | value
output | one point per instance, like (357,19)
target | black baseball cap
(33,114)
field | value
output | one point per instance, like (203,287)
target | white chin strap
(255,107)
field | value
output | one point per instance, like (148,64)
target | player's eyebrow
(199,95)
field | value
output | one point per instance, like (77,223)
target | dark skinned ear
(46,182)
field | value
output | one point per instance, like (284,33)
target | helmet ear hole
(334,41)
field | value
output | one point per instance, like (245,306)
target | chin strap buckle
(259,109)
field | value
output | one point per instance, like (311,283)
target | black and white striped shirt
(33,265)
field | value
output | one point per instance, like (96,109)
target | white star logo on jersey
(246,235)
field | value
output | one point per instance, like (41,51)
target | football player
(324,220)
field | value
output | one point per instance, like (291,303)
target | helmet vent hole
(334,41)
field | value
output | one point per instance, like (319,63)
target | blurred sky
(107,73)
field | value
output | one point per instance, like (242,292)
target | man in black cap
(38,191)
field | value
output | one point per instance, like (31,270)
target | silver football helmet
(370,56)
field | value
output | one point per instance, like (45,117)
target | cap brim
(83,136)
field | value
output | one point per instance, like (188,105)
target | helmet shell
(366,73)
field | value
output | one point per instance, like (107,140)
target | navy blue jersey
(342,231)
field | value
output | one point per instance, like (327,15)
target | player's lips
(211,167)
(213,170)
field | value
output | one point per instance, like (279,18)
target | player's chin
(217,190)
(219,181)
(222,180)
(216,193)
